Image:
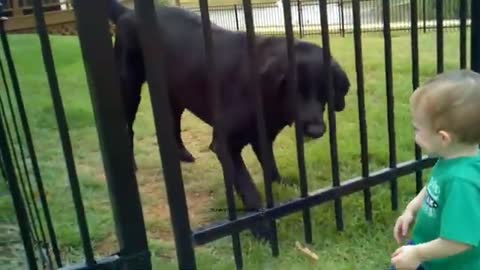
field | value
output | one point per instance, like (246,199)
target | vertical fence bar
(447,9)
(415,78)
(236,17)
(475,36)
(104,86)
(331,113)
(292,85)
(150,34)
(399,17)
(407,17)
(300,19)
(63,130)
(266,152)
(342,17)
(29,140)
(378,10)
(219,128)
(424,9)
(357,33)
(18,204)
(439,12)
(2,169)
(390,100)
(463,34)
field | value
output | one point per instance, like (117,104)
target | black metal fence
(306,18)
(24,177)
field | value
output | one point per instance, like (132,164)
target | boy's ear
(445,136)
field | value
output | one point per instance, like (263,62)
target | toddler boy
(446,236)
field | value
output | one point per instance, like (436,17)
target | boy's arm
(460,221)
(416,203)
(439,248)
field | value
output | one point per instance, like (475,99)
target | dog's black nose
(314,130)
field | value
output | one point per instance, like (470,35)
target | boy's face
(427,138)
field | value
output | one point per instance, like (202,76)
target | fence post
(16,10)
(300,26)
(151,37)
(104,86)
(475,28)
(236,17)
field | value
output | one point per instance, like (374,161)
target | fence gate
(36,227)
(19,164)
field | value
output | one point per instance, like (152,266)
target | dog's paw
(261,231)
(213,147)
(186,156)
(277,178)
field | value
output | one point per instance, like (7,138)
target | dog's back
(185,57)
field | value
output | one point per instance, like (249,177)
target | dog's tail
(116,10)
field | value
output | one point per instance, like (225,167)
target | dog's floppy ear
(273,74)
(341,85)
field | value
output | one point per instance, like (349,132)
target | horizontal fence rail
(222,229)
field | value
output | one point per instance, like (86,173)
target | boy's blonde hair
(451,102)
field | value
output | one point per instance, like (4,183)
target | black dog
(187,84)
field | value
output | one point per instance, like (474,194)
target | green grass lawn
(359,246)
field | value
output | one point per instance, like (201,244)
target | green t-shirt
(451,211)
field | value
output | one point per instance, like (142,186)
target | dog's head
(312,90)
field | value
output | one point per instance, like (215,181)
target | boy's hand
(402,225)
(406,258)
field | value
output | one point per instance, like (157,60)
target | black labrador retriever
(187,85)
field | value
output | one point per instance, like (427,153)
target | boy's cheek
(423,147)
(419,141)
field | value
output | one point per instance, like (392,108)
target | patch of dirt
(107,246)
(196,136)
(157,212)
(157,216)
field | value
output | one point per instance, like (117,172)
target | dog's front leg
(270,164)
(249,195)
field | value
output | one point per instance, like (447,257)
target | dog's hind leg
(131,91)
(177,111)
(213,144)
(244,184)
(132,77)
